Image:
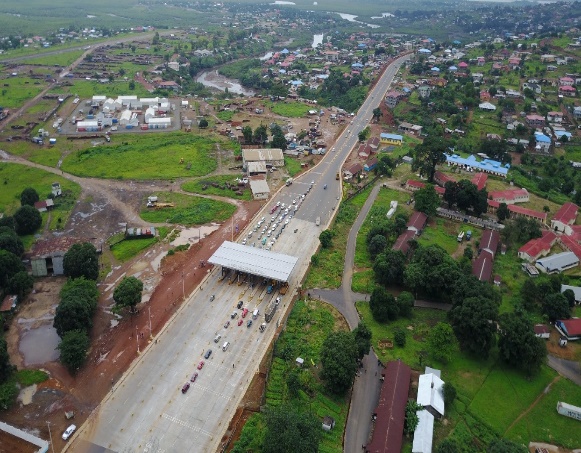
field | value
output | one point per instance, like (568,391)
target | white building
(159,123)
(431,394)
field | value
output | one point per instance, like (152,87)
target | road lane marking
(173,419)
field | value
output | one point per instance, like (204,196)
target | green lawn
(309,323)
(62,59)
(188,210)
(198,185)
(292,165)
(442,232)
(86,89)
(363,281)
(15,91)
(29,377)
(128,248)
(292,110)
(145,156)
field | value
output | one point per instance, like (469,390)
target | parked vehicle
(194,377)
(249,323)
(208,354)
(239,306)
(69,432)
(201,365)
(185,388)
(262,327)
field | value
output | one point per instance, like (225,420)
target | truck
(461,236)
(468,235)
(37,140)
(289,181)
(270,310)
(262,327)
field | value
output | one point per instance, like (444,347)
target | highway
(146,410)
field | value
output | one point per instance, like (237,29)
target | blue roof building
(435,69)
(425,51)
(296,82)
(560,134)
(452,69)
(357,66)
(489,166)
(542,138)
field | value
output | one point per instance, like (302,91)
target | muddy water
(215,80)
(192,235)
(38,345)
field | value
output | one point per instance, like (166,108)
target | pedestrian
(232,365)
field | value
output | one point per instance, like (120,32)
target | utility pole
(183,288)
(149,312)
(50,436)
(137,338)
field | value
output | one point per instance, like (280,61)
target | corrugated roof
(255,261)
(558,262)
(431,392)
(424,433)
(566,213)
(390,411)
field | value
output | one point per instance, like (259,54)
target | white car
(69,432)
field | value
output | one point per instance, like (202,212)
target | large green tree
(441,342)
(5,366)
(81,260)
(383,305)
(128,293)
(429,154)
(505,446)
(28,220)
(427,200)
(10,265)
(517,344)
(73,349)
(20,284)
(556,306)
(29,196)
(287,430)
(339,360)
(411,417)
(362,336)
(10,241)
(474,323)
(77,306)
(388,267)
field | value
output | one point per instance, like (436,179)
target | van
(225,346)
(255,313)
(217,338)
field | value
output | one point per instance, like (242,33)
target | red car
(240,321)
(244,312)
(194,377)
(186,387)
(201,365)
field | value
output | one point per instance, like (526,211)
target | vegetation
(338,357)
(207,186)
(127,294)
(28,377)
(287,429)
(73,349)
(77,306)
(81,260)
(28,220)
(124,250)
(292,110)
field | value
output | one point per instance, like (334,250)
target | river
(214,80)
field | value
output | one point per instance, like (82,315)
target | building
(260,189)
(482,266)
(417,222)
(569,328)
(88,126)
(564,218)
(576,290)
(424,433)
(441,178)
(542,331)
(542,142)
(519,211)
(536,248)
(47,256)
(431,394)
(392,98)
(413,185)
(479,180)
(159,123)
(470,163)
(557,263)
(353,171)
(270,156)
(403,240)
(390,139)
(534,120)
(390,411)
(489,242)
(410,128)
(509,196)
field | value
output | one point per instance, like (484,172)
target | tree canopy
(388,267)
(128,293)
(10,265)
(10,241)
(287,429)
(27,219)
(73,349)
(382,305)
(466,196)
(427,200)
(441,342)
(339,354)
(78,303)
(81,260)
(429,154)
(362,336)
(29,196)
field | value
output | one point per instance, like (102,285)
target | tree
(326,238)
(411,417)
(505,446)
(293,383)
(128,293)
(8,221)
(474,323)
(449,393)
(517,344)
(260,134)
(287,429)
(405,303)
(247,133)
(20,284)
(5,366)
(203,124)
(388,267)
(385,165)
(399,337)
(81,260)
(77,306)
(570,296)
(28,220)
(131,85)
(278,140)
(381,304)
(427,200)
(73,349)
(10,241)
(339,360)
(429,154)
(468,253)
(556,306)
(502,212)
(441,342)
(377,245)
(377,113)
(29,196)
(362,336)
(448,446)
(10,265)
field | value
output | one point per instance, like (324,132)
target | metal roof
(255,261)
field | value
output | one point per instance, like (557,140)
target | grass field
(86,89)
(62,59)
(293,166)
(291,110)
(309,323)
(127,249)
(15,178)
(441,232)
(28,377)
(188,210)
(363,281)
(198,187)
(15,91)
(147,156)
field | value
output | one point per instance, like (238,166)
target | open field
(292,110)
(188,210)
(128,248)
(86,89)
(204,186)
(62,59)
(17,90)
(147,156)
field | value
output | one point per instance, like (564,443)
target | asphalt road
(146,410)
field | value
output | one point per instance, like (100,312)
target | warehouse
(270,156)
(88,126)
(159,123)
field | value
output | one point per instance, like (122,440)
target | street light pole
(149,312)
(183,288)
(137,338)
(50,436)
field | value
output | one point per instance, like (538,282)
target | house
(271,156)
(390,139)
(402,242)
(534,120)
(169,85)
(390,411)
(410,128)
(424,433)
(557,263)
(555,117)
(576,290)
(45,205)
(487,106)
(542,331)
(353,171)
(479,180)
(566,81)
(424,91)
(577,112)
(564,218)
(482,266)
(509,196)
(392,98)
(535,87)
(470,163)
(570,244)
(259,188)
(417,222)
(370,164)
(489,242)
(441,178)
(542,142)
(413,185)
(567,90)
(431,394)
(9,303)
(48,255)
(328,423)
(536,248)
(569,328)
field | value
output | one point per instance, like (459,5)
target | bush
(400,338)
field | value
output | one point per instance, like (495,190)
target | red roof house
(390,411)
(565,216)
(536,248)
(402,242)
(570,328)
(489,241)
(479,180)
(482,266)
(510,196)
(441,178)
(417,222)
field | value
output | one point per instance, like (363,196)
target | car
(250,234)
(333,148)
(262,219)
(277,300)
(69,432)
(244,312)
(201,365)
(226,324)
(185,388)
(244,241)
(240,321)
(286,221)
(249,323)
(312,183)
(239,305)
(212,297)
(295,201)
(194,377)
(278,203)
(234,315)
(209,351)
(282,206)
